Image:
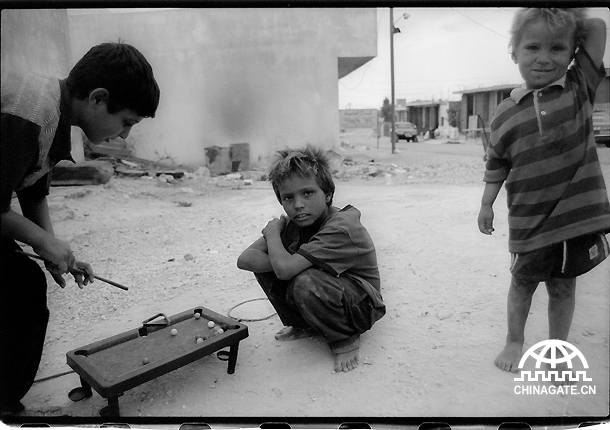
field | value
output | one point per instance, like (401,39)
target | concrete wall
(267,77)
(483,103)
(38,41)
(424,117)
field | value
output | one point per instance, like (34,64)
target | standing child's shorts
(567,259)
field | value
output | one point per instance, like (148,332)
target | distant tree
(453,113)
(386,110)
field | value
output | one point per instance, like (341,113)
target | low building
(478,105)
(426,115)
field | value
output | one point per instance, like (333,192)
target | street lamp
(392,31)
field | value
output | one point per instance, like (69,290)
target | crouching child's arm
(255,258)
(267,254)
(285,265)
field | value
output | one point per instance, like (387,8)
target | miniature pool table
(162,344)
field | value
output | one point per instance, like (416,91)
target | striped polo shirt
(542,145)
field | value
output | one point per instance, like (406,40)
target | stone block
(240,156)
(219,160)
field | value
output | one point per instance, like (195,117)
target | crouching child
(317,263)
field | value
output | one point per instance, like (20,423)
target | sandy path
(432,355)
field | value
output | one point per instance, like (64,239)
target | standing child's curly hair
(558,20)
(309,162)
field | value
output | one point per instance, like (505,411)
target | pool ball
(211,324)
(174,332)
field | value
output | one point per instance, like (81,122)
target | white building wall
(267,77)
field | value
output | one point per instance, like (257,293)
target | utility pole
(393,131)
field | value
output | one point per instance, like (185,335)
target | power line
(479,24)
(409,81)
(368,65)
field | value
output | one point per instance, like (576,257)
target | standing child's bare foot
(508,359)
(347,357)
(561,374)
(558,377)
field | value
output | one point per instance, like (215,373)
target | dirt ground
(444,283)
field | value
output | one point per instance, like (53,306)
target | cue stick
(108,281)
(53,376)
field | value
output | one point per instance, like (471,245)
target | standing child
(108,91)
(542,145)
(316,264)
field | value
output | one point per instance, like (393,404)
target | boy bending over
(316,264)
(542,145)
(108,91)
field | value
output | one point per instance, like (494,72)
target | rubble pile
(352,165)
(467,172)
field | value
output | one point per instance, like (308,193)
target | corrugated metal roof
(487,89)
(424,103)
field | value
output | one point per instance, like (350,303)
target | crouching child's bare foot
(508,359)
(347,357)
(293,333)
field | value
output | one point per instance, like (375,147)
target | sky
(439,51)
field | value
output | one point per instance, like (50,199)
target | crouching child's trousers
(336,307)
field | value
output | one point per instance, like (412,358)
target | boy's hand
(83,273)
(56,273)
(486,219)
(58,253)
(275,226)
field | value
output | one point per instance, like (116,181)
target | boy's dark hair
(123,71)
(309,162)
(556,19)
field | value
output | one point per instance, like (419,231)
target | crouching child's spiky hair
(309,163)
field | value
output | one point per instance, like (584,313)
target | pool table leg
(112,410)
(233,358)
(79,393)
